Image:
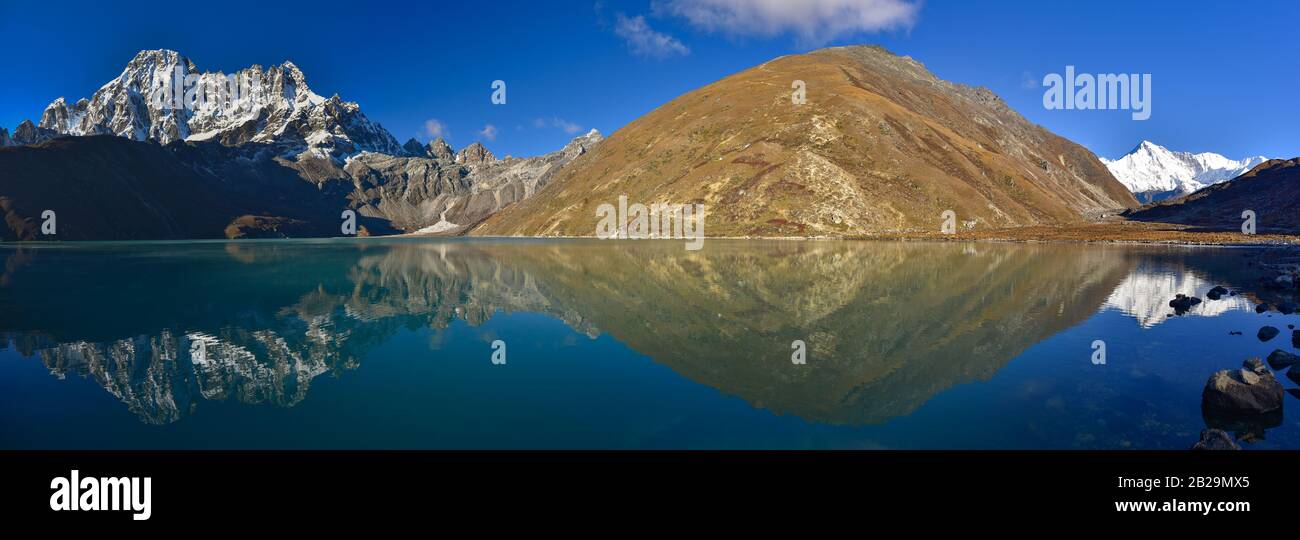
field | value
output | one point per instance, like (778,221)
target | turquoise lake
(388,343)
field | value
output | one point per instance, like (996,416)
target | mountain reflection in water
(167,328)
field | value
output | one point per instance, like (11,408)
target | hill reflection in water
(169,328)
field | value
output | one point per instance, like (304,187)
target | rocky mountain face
(475,154)
(106,187)
(148,101)
(880,145)
(414,148)
(1271,190)
(439,149)
(1153,172)
(265,154)
(445,193)
(28,133)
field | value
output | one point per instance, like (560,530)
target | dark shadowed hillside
(111,188)
(1271,190)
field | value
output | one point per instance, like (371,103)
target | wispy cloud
(813,22)
(566,126)
(435,128)
(1028,82)
(558,123)
(645,41)
(488,132)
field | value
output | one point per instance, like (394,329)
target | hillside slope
(111,188)
(881,145)
(1271,190)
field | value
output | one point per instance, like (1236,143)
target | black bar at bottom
(396,486)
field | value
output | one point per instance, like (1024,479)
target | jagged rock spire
(474,154)
(439,149)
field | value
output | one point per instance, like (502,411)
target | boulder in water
(1181,303)
(1280,359)
(1253,389)
(1266,333)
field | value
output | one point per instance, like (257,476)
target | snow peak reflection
(92,493)
(658,220)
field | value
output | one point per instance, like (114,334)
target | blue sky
(1226,75)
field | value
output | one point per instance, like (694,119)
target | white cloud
(435,128)
(811,21)
(566,126)
(488,132)
(645,41)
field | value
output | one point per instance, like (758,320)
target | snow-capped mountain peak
(162,96)
(1153,172)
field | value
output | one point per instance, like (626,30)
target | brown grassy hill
(1271,190)
(881,145)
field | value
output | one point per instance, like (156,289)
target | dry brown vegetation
(881,145)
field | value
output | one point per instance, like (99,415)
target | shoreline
(1102,233)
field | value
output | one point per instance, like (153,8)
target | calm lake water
(388,343)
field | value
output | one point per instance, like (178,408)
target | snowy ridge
(273,105)
(1153,172)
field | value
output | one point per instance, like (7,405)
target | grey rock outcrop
(444,196)
(439,149)
(475,154)
(28,133)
